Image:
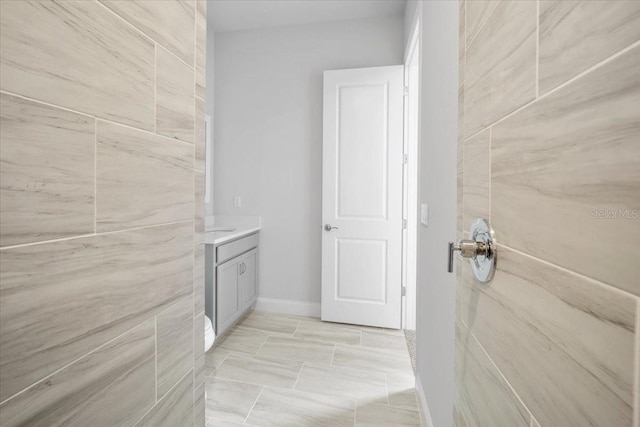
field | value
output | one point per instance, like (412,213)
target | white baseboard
(286,306)
(422,402)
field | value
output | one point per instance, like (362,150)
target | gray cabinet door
(248,277)
(227,283)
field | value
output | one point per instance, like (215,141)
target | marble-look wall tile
(176,408)
(47,160)
(198,230)
(142,178)
(198,350)
(175,343)
(169,23)
(460,161)
(201,12)
(483,398)
(200,140)
(60,300)
(500,69)
(175,85)
(201,61)
(556,186)
(198,279)
(199,406)
(563,341)
(461,41)
(476,15)
(78,55)
(113,385)
(576,35)
(476,178)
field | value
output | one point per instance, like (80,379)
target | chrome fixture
(480,249)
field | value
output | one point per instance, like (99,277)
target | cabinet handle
(242,268)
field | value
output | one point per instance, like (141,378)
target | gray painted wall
(438,150)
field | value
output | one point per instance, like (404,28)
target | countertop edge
(232,236)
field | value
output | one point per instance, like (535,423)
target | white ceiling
(235,15)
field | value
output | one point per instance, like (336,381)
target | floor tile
(291,316)
(215,422)
(230,400)
(369,359)
(242,340)
(327,332)
(278,408)
(383,416)
(384,342)
(295,349)
(214,358)
(263,371)
(402,391)
(271,325)
(355,384)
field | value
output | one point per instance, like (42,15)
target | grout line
(143,34)
(155,325)
(559,87)
(636,378)
(480,28)
(262,345)
(72,362)
(71,110)
(298,377)
(355,413)
(104,233)
(386,384)
(502,376)
(537,48)
(165,395)
(155,88)
(566,270)
(296,330)
(333,355)
(254,405)
(95,176)
(490,168)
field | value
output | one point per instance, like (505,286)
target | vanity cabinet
(236,280)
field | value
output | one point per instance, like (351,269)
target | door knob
(480,249)
(328,227)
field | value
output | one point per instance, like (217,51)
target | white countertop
(222,235)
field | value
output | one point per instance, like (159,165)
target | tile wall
(549,151)
(101,212)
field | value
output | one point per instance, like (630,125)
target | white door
(362,196)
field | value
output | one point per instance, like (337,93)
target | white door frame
(410,193)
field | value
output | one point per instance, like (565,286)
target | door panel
(362,151)
(362,196)
(248,278)
(227,284)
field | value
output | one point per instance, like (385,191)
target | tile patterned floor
(293,371)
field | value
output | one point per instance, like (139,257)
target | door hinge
(405,159)
(404,291)
(405,91)
(404,223)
